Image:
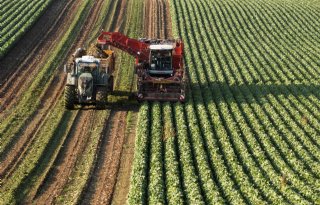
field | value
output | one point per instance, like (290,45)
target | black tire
(101,98)
(69,97)
(110,84)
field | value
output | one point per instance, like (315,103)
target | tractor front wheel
(69,97)
(101,98)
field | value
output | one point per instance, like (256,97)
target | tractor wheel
(69,97)
(110,84)
(101,98)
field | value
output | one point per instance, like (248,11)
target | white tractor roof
(161,47)
(88,59)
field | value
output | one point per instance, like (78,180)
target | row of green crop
(233,63)
(37,156)
(248,132)
(30,100)
(309,127)
(18,20)
(133,27)
(78,179)
(25,180)
(79,176)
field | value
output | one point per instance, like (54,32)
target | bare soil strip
(53,93)
(72,149)
(16,153)
(157,21)
(119,22)
(101,185)
(123,178)
(25,60)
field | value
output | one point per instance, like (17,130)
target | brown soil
(66,160)
(158,20)
(20,80)
(119,23)
(110,179)
(123,178)
(102,181)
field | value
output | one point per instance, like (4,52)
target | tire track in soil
(67,158)
(158,21)
(56,180)
(118,23)
(13,156)
(155,27)
(50,98)
(101,184)
(122,185)
(28,56)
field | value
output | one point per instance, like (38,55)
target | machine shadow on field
(118,100)
(249,93)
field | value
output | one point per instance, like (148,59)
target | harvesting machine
(158,65)
(89,78)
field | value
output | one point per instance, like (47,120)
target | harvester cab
(162,77)
(159,65)
(89,79)
(161,60)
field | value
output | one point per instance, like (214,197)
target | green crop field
(15,18)
(249,132)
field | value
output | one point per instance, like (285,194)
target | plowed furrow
(19,149)
(102,182)
(157,22)
(66,160)
(26,59)
(53,93)
(123,177)
(118,22)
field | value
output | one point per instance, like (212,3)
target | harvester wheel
(69,97)
(101,98)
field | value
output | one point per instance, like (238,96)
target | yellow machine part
(108,52)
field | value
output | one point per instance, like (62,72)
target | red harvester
(158,65)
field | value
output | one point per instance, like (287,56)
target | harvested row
(34,167)
(15,20)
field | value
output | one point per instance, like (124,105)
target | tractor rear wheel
(110,84)
(101,98)
(69,97)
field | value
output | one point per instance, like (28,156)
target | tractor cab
(161,60)
(87,64)
(87,70)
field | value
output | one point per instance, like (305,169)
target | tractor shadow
(118,101)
